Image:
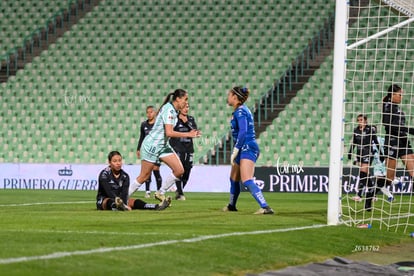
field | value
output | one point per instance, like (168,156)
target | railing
(302,62)
(278,91)
(10,59)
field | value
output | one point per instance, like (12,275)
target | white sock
(167,183)
(133,187)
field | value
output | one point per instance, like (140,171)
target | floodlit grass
(60,232)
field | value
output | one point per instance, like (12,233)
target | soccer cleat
(357,198)
(180,197)
(159,196)
(387,193)
(148,195)
(229,208)
(119,203)
(164,204)
(397,182)
(264,211)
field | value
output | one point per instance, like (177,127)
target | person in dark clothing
(113,189)
(396,144)
(184,148)
(364,137)
(146,127)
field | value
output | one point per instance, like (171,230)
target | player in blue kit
(245,151)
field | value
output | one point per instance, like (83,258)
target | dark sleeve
(104,179)
(141,136)
(386,116)
(351,148)
(125,188)
(375,138)
(191,120)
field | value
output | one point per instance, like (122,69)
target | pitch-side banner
(202,179)
(85,177)
(293,179)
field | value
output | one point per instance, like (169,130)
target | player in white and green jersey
(155,147)
(155,144)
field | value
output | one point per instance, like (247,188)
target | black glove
(349,156)
(382,158)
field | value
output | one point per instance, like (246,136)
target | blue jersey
(242,127)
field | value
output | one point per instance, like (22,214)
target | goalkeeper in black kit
(364,137)
(396,144)
(184,148)
(113,189)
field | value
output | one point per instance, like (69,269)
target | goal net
(379,53)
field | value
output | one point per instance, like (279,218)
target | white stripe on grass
(45,203)
(58,255)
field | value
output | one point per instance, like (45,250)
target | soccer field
(49,232)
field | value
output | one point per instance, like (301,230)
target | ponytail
(167,99)
(178,93)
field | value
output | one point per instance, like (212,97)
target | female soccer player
(364,137)
(396,144)
(156,148)
(245,152)
(113,189)
(146,127)
(184,148)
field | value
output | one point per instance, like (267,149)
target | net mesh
(380,52)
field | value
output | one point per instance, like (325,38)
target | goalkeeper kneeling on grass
(113,189)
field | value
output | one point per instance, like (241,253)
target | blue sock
(234,192)
(256,192)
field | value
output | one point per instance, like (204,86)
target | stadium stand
(87,93)
(301,131)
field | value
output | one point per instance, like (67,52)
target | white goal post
(374,48)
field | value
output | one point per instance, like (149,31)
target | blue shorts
(248,151)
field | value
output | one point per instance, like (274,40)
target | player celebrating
(146,127)
(156,148)
(245,152)
(113,189)
(184,148)
(364,138)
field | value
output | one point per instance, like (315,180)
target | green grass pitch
(61,233)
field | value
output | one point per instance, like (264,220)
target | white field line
(46,203)
(58,255)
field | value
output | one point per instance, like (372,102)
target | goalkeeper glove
(234,155)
